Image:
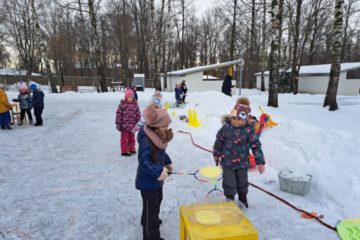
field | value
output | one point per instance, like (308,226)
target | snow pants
(37,113)
(127,142)
(22,114)
(5,119)
(150,213)
(235,181)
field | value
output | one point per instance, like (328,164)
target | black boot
(243,199)
(230,198)
(160,222)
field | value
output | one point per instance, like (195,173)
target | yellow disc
(207,217)
(210,172)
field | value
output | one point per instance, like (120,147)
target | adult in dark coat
(184,90)
(226,86)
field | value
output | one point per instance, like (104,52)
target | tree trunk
(294,77)
(41,38)
(276,30)
(96,42)
(233,28)
(330,98)
(263,48)
(182,50)
(252,48)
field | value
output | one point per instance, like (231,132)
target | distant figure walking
(227,84)
(184,90)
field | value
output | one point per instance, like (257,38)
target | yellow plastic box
(215,221)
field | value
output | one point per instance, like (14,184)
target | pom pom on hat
(33,87)
(156,117)
(156,98)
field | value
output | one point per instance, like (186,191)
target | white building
(315,78)
(195,78)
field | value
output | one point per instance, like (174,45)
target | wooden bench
(66,88)
(117,86)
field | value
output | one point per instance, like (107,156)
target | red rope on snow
(265,191)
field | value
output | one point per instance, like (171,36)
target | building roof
(209,77)
(15,72)
(320,70)
(203,68)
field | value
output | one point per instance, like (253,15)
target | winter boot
(243,199)
(30,121)
(229,198)
(126,154)
(160,222)
(21,122)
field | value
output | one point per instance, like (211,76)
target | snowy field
(67,180)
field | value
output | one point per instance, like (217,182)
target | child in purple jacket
(127,116)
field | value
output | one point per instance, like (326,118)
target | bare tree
(294,77)
(331,93)
(276,27)
(263,47)
(21,30)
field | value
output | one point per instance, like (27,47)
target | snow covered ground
(67,180)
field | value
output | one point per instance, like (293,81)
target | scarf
(160,143)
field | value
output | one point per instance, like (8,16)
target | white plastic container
(294,183)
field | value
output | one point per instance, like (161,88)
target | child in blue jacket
(232,145)
(38,103)
(154,164)
(178,94)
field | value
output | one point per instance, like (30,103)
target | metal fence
(68,80)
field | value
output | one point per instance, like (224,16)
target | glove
(261,168)
(169,167)
(163,175)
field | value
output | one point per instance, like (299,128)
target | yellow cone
(190,117)
(195,120)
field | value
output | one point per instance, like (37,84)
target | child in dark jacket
(178,94)
(127,116)
(25,101)
(38,102)
(232,145)
(135,93)
(154,164)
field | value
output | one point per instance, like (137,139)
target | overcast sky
(202,5)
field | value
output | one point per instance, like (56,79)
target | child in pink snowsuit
(127,116)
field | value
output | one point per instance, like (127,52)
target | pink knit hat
(128,93)
(23,88)
(156,117)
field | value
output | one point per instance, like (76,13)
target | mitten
(261,168)
(169,167)
(163,175)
